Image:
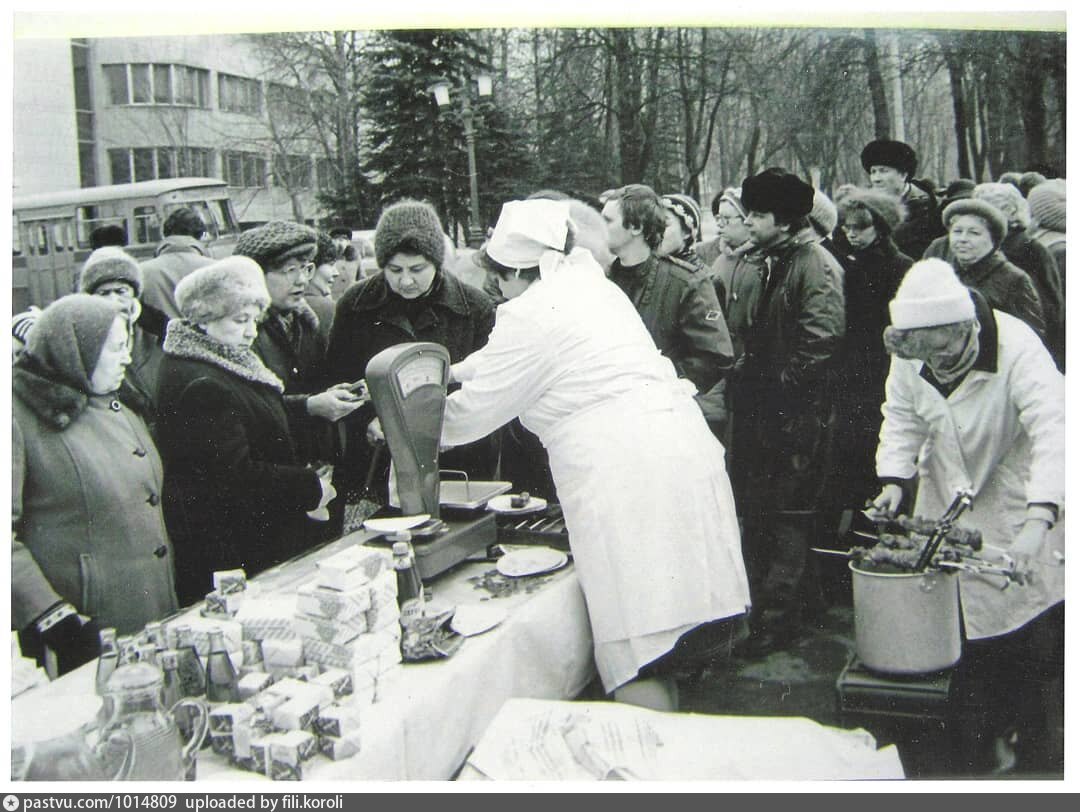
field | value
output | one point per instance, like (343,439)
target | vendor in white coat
(973,400)
(641,479)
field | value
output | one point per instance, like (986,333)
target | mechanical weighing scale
(407,383)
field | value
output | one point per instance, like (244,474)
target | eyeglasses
(305,271)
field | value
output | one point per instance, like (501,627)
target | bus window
(147,225)
(225,216)
(87,218)
(40,236)
(62,237)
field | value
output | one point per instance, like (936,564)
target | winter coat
(1001,432)
(783,398)
(370,318)
(641,481)
(235,494)
(298,362)
(710,251)
(923,223)
(322,303)
(1006,288)
(86,507)
(174,258)
(742,273)
(678,303)
(1027,254)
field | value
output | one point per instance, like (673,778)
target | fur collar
(304,313)
(185,341)
(55,403)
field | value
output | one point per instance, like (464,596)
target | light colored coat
(86,509)
(641,480)
(1001,433)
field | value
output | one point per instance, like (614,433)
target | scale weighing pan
(469,495)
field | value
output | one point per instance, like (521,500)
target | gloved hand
(71,641)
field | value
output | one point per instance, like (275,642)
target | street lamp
(441,91)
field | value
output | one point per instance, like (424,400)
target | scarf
(963,363)
(183,340)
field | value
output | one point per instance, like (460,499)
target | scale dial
(421,371)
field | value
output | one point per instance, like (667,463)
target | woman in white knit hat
(235,493)
(641,480)
(973,400)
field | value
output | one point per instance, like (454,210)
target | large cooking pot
(906,623)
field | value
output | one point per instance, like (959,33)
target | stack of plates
(531,561)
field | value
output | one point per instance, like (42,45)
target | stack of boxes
(311,664)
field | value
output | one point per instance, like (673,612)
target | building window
(84,112)
(239,95)
(244,169)
(153,163)
(324,174)
(292,171)
(158,83)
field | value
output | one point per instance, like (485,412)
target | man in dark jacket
(289,340)
(891,167)
(180,253)
(675,298)
(783,406)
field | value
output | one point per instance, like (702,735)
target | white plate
(395,524)
(476,618)
(531,561)
(501,504)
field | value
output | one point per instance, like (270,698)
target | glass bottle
(107,660)
(409,586)
(221,682)
(188,665)
(155,633)
(171,692)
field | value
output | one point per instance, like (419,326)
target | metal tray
(469,495)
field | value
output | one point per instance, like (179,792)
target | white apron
(651,518)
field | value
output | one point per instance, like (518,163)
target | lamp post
(441,91)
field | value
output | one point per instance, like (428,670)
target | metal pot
(906,623)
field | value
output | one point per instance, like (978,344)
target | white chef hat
(526,230)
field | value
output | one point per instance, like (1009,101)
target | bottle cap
(400,548)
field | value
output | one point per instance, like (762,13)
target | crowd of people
(704,411)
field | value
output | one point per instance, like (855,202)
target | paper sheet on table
(538,740)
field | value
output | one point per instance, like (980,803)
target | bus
(51,231)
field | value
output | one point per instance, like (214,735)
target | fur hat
(995,220)
(1047,203)
(930,295)
(221,288)
(688,211)
(277,241)
(778,192)
(823,215)
(884,152)
(110,264)
(1007,199)
(1029,180)
(69,334)
(885,211)
(957,190)
(412,221)
(21,323)
(325,252)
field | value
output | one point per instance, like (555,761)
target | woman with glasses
(410,298)
(235,493)
(289,340)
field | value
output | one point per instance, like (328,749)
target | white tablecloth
(425,724)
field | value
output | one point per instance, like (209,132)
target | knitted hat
(733,196)
(325,251)
(21,323)
(1007,199)
(110,264)
(896,154)
(220,289)
(930,295)
(69,335)
(1047,203)
(823,215)
(957,190)
(414,221)
(778,192)
(688,212)
(995,220)
(1029,180)
(272,244)
(885,211)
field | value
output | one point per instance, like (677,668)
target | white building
(89,112)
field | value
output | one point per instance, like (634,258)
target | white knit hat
(221,288)
(930,295)
(526,229)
